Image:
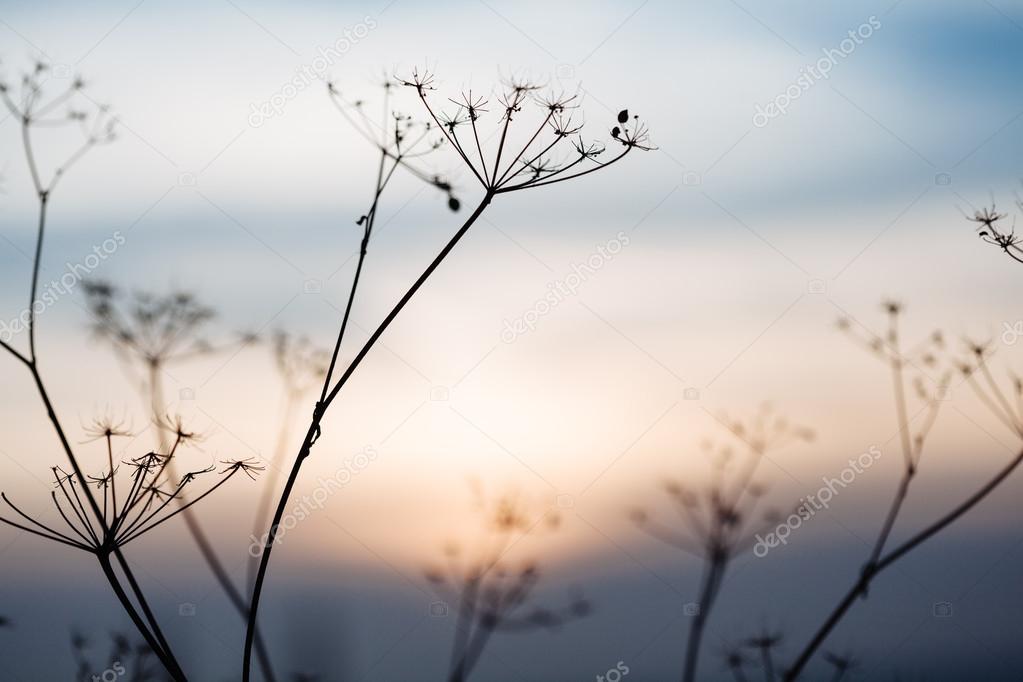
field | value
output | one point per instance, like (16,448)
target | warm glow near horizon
(587,346)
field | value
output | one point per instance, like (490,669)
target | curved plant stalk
(32,112)
(518,175)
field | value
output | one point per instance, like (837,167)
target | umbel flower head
(543,157)
(990,228)
(136,494)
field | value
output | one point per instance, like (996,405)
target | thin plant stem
(861,586)
(172,668)
(151,631)
(202,541)
(314,427)
(708,592)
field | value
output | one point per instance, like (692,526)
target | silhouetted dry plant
(924,359)
(404,139)
(133,503)
(720,522)
(389,143)
(990,228)
(149,333)
(490,595)
(101,522)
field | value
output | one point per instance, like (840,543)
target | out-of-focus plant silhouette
(719,522)
(128,660)
(489,593)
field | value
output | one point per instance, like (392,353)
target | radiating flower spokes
(499,171)
(132,504)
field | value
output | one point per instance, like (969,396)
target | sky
(800,175)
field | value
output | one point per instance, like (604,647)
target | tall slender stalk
(104,542)
(714,573)
(878,560)
(631,135)
(313,431)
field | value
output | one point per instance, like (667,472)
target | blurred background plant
(300,367)
(721,521)
(933,367)
(489,592)
(126,659)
